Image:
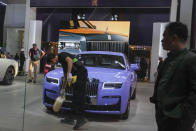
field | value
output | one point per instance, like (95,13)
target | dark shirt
(22,57)
(175,87)
(35,54)
(160,64)
(143,64)
(76,67)
(171,56)
(16,57)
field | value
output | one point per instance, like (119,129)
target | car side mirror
(134,67)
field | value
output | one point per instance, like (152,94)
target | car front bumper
(102,101)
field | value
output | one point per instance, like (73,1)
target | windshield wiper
(117,62)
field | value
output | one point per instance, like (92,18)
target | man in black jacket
(175,88)
(72,66)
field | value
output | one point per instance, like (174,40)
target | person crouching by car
(71,66)
(35,55)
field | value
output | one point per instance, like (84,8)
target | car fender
(126,93)
(5,64)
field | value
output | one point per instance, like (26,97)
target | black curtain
(2,17)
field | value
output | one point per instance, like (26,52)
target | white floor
(38,119)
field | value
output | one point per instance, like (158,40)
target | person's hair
(50,57)
(179,29)
(34,44)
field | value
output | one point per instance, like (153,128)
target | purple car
(110,87)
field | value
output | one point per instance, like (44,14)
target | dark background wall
(51,18)
(142,23)
(2,17)
(141,19)
(100,3)
(141,13)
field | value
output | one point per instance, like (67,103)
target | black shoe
(80,123)
(34,81)
(29,81)
(67,121)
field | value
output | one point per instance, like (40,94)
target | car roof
(103,52)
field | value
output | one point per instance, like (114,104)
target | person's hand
(69,77)
(43,53)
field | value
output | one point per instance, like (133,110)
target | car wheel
(9,76)
(125,115)
(134,95)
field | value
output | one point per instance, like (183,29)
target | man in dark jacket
(22,60)
(72,66)
(175,88)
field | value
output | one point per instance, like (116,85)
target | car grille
(91,88)
(115,46)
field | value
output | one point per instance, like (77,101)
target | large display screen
(81,35)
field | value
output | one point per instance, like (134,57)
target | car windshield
(103,61)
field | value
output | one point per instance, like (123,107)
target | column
(30,15)
(186,8)
(173,11)
(157,49)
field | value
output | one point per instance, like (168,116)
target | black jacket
(175,88)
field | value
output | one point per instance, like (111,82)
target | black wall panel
(100,3)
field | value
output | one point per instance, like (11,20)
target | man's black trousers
(165,123)
(21,66)
(78,100)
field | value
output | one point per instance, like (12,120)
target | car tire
(9,76)
(134,95)
(125,115)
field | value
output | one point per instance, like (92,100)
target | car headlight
(116,85)
(52,80)
(69,45)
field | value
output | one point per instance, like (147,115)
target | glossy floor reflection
(37,118)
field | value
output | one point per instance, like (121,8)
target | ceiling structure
(16,1)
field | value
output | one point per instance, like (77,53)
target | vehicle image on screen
(8,70)
(110,87)
(80,35)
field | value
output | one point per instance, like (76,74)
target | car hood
(103,74)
